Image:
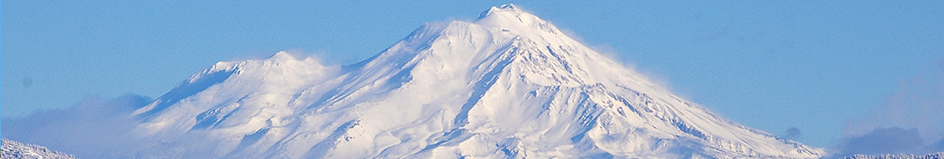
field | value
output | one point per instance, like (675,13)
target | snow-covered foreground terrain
(505,85)
(939,155)
(15,150)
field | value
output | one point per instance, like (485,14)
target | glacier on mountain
(508,84)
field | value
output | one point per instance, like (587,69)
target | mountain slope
(506,85)
(15,150)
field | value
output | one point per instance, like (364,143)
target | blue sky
(810,65)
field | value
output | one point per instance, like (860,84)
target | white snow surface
(938,155)
(10,149)
(508,85)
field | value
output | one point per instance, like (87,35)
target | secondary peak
(282,56)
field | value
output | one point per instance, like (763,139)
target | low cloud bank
(92,128)
(911,121)
(894,140)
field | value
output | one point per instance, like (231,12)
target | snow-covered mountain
(508,84)
(15,150)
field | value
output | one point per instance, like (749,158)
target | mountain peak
(508,15)
(503,8)
(282,56)
(508,6)
(511,19)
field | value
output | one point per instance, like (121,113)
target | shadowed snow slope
(506,85)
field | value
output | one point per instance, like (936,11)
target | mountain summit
(508,84)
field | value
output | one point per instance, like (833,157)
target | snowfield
(507,85)
(939,155)
(15,150)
